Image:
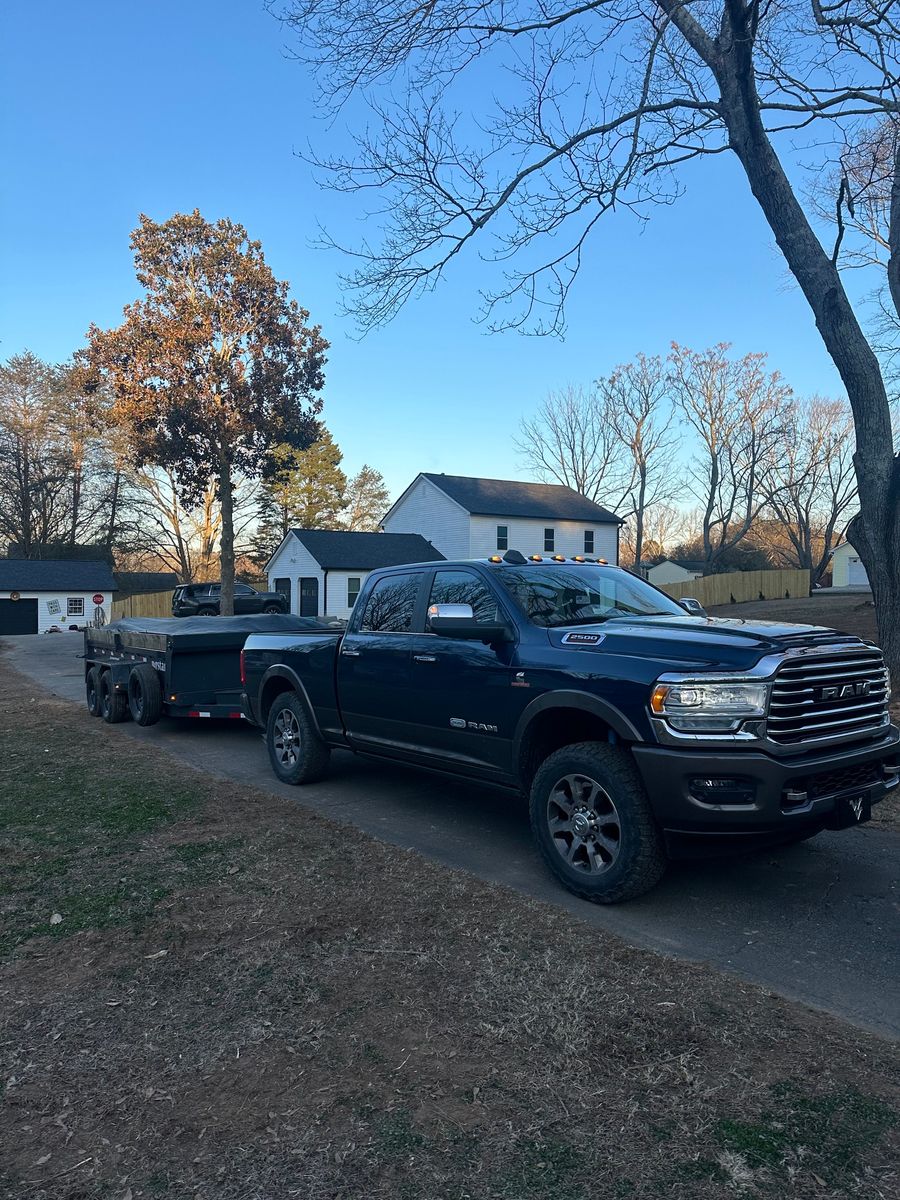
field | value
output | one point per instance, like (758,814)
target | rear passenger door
(377,703)
(246,600)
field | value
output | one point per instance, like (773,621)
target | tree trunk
(226,540)
(876,532)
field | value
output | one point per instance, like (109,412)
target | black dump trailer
(148,667)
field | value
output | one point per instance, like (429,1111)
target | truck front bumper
(709,801)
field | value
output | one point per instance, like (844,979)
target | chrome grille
(836,694)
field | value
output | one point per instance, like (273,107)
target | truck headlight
(716,707)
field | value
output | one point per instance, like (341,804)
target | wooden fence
(150,604)
(738,586)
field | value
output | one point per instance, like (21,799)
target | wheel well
(558,727)
(273,688)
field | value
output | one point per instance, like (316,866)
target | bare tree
(638,404)
(811,485)
(572,440)
(736,410)
(605,99)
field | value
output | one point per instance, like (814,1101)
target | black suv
(203,600)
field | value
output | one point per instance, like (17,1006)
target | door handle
(426,658)
(350,653)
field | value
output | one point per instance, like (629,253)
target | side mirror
(458,621)
(692,606)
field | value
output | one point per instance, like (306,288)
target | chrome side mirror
(692,606)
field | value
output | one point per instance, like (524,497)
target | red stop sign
(98,597)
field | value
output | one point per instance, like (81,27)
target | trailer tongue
(148,667)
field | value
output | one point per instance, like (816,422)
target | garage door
(856,573)
(18,616)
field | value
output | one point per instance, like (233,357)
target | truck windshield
(583,595)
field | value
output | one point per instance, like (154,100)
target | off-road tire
(92,691)
(640,859)
(305,758)
(113,705)
(145,702)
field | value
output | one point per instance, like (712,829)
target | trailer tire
(593,824)
(92,691)
(113,705)
(144,695)
(296,752)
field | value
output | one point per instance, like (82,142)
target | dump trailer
(145,667)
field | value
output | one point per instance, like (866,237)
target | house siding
(840,568)
(669,572)
(527,536)
(46,618)
(426,510)
(294,562)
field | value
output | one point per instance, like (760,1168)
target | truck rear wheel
(113,704)
(593,825)
(296,752)
(92,691)
(144,695)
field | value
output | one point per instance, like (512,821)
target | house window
(589,541)
(352,591)
(502,537)
(75,606)
(549,540)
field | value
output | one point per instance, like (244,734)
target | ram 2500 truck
(638,731)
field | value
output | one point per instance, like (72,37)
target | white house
(672,570)
(473,518)
(847,569)
(322,570)
(37,593)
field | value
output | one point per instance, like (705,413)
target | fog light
(720,789)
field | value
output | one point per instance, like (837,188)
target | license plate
(853,810)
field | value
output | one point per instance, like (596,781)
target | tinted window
(568,595)
(391,605)
(241,589)
(462,587)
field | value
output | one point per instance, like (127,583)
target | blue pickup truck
(639,731)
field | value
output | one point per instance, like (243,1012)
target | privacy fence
(150,604)
(739,586)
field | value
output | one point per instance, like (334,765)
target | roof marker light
(559,558)
(578,558)
(535,558)
(495,558)
(605,561)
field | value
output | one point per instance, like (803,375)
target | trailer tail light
(243,670)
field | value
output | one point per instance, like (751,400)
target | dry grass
(244,1001)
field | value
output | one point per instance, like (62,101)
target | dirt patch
(242,1000)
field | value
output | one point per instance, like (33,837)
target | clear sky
(110,109)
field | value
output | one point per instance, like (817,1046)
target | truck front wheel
(593,825)
(296,752)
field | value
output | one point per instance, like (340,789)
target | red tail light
(243,669)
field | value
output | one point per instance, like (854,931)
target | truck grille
(843,694)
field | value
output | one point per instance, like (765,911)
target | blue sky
(112,108)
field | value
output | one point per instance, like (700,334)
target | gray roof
(345,550)
(510,498)
(137,583)
(55,575)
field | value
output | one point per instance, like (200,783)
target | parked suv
(204,599)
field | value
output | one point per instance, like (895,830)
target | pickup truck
(639,731)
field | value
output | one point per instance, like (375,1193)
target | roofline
(278,549)
(437,487)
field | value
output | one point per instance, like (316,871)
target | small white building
(847,570)
(672,570)
(36,593)
(321,571)
(467,517)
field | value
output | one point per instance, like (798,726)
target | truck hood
(714,642)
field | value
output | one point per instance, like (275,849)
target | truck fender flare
(280,671)
(586,702)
